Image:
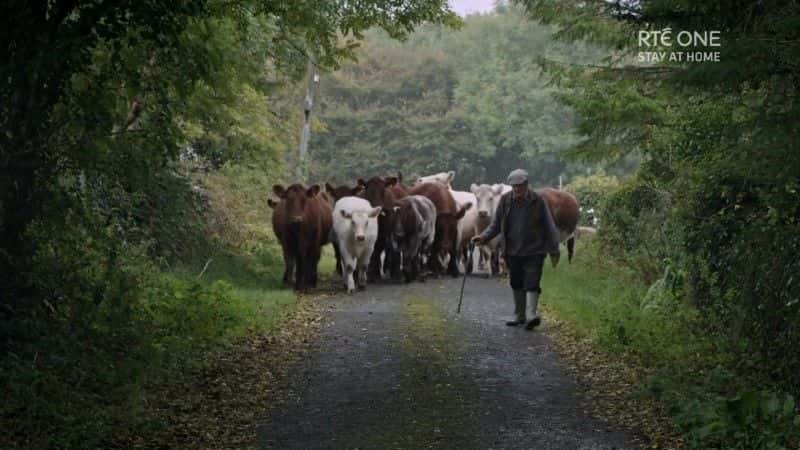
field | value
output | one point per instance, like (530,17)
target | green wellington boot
(532,299)
(519,309)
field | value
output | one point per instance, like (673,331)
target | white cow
(488,199)
(355,228)
(468,225)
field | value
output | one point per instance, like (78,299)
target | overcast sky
(464,7)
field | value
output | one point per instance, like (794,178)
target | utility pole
(308,103)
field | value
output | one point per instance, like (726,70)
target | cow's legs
(452,267)
(393,258)
(348,267)
(484,255)
(362,274)
(408,263)
(288,263)
(374,271)
(467,258)
(570,247)
(391,261)
(338,254)
(314,254)
(300,270)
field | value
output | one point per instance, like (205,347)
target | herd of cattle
(381,226)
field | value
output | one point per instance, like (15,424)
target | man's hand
(554,257)
(477,240)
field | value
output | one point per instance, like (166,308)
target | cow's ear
(361,182)
(313,190)
(279,191)
(473,187)
(345,214)
(391,181)
(375,211)
(498,189)
(357,190)
(272,203)
(328,187)
(463,210)
(450,176)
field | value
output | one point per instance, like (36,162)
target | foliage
(472,101)
(592,191)
(692,372)
(715,197)
(103,105)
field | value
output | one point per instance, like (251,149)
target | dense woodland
(476,102)
(140,141)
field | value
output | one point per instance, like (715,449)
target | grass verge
(657,369)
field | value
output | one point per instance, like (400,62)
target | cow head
(488,197)
(359,221)
(378,193)
(444,178)
(295,197)
(342,191)
(404,219)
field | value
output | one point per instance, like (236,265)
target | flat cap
(517,176)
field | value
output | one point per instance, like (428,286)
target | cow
(400,190)
(468,226)
(413,229)
(355,230)
(335,193)
(302,223)
(448,213)
(564,209)
(488,197)
(278,227)
(383,192)
(444,178)
(342,191)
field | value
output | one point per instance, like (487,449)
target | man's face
(519,189)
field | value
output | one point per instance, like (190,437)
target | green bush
(636,229)
(699,376)
(592,192)
(77,362)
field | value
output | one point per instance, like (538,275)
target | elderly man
(526,224)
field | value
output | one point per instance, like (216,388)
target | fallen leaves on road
(612,383)
(221,406)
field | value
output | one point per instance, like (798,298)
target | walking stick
(470,248)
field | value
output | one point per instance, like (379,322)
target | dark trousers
(526,272)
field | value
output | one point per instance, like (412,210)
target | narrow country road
(394,367)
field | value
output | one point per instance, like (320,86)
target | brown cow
(342,191)
(445,242)
(400,190)
(302,222)
(564,209)
(383,192)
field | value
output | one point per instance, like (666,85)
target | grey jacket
(541,236)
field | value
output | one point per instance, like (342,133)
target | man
(527,227)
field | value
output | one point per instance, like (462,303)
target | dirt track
(395,367)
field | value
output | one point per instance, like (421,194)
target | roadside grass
(259,298)
(603,302)
(662,359)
